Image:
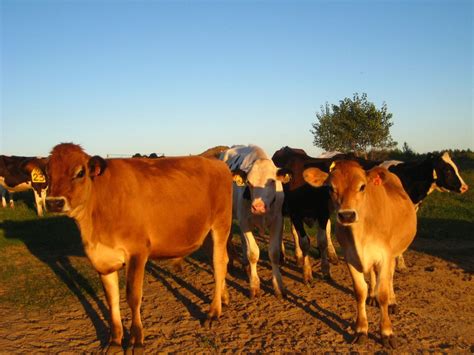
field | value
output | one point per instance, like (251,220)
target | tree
(354,125)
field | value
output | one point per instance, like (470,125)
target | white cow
(257,203)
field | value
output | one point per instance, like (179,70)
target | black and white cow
(6,197)
(21,174)
(257,203)
(421,178)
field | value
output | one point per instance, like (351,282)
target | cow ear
(35,168)
(315,177)
(96,165)
(239,177)
(284,175)
(377,176)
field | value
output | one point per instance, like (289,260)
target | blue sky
(178,77)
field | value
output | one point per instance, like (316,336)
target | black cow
(21,174)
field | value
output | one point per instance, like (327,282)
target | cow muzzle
(463,188)
(347,216)
(258,208)
(55,204)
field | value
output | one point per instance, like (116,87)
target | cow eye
(80,174)
(362,188)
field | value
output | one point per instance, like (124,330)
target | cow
(376,221)
(257,203)
(6,196)
(305,203)
(24,173)
(214,152)
(131,209)
(421,178)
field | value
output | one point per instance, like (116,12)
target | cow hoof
(137,349)
(389,341)
(393,309)
(280,295)
(254,293)
(333,259)
(308,281)
(360,338)
(209,321)
(401,269)
(114,349)
(372,301)
(327,277)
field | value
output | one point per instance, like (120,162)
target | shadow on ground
(53,241)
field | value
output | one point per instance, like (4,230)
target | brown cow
(129,210)
(376,221)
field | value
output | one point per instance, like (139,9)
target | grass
(42,263)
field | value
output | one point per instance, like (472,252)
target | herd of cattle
(189,198)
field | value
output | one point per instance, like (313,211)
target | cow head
(282,156)
(261,184)
(35,169)
(348,183)
(71,173)
(446,174)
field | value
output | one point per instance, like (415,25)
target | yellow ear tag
(333,165)
(238,180)
(37,176)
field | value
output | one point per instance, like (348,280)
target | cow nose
(348,216)
(464,188)
(258,207)
(55,204)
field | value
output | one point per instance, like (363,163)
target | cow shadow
(311,307)
(450,240)
(53,241)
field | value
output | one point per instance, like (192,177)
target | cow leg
(392,301)
(43,199)
(276,236)
(4,202)
(135,273)
(283,252)
(372,299)
(304,243)
(383,296)
(220,260)
(322,238)
(360,290)
(112,295)
(298,251)
(252,253)
(38,203)
(332,255)
(400,263)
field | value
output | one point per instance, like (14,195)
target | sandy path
(436,312)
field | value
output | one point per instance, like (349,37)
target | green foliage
(355,125)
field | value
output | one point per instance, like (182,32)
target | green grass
(42,264)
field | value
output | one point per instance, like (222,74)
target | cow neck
(85,221)
(417,179)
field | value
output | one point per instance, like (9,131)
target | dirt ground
(436,311)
